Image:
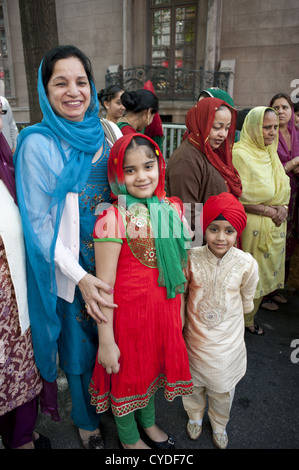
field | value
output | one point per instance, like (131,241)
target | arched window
(173,30)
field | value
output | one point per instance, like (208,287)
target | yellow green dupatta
(263,177)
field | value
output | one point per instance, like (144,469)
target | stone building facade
(257,41)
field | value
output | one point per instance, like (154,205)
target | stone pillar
(229,66)
(211,39)
(127,33)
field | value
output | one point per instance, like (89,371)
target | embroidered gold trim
(125,405)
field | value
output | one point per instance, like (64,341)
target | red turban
(229,207)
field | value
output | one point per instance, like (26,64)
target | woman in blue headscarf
(61,179)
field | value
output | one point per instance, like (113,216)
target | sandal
(269,305)
(91,441)
(256,331)
(279,298)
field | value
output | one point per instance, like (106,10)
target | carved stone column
(213,34)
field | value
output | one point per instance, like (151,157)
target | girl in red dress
(140,248)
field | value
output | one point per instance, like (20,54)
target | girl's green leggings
(127,425)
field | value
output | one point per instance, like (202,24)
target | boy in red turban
(221,284)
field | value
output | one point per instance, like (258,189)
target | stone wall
(20,99)
(263,37)
(96,27)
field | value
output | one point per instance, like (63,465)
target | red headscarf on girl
(115,166)
(199,122)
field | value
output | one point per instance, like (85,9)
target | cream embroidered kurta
(220,292)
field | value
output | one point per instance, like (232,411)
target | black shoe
(42,442)
(167,444)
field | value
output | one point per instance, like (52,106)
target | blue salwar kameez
(78,340)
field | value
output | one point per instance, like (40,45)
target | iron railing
(173,136)
(169,84)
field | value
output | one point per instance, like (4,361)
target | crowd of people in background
(101,271)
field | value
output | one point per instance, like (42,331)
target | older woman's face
(270,127)
(283,109)
(69,89)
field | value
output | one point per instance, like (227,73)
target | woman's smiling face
(69,90)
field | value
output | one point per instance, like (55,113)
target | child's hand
(108,356)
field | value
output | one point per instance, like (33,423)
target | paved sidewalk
(265,411)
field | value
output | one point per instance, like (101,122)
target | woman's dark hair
(281,95)
(204,94)
(140,100)
(241,115)
(270,110)
(64,52)
(108,93)
(138,141)
(223,106)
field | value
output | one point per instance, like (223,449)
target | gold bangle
(286,207)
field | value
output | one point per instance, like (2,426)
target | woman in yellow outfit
(266,193)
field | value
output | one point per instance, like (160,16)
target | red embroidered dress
(147,325)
